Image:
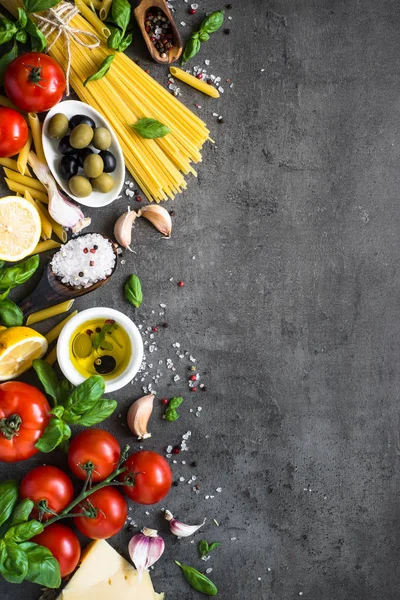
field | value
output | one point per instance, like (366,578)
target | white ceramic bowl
(63,346)
(70,108)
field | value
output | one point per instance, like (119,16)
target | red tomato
(95,450)
(50,485)
(63,544)
(24,415)
(34,82)
(152,475)
(112,511)
(13,132)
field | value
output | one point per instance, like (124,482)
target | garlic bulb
(145,549)
(123,228)
(139,415)
(158,216)
(181,529)
(60,209)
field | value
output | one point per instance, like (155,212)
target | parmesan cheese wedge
(106,575)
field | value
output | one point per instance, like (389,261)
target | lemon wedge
(19,346)
(19,228)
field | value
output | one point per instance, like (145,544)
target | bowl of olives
(83,153)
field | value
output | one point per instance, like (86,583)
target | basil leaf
(214,545)
(213,22)
(43,568)
(191,49)
(85,395)
(114,40)
(38,40)
(22,511)
(7,34)
(22,19)
(133,290)
(63,391)
(4,62)
(171,415)
(203,547)
(5,294)
(55,433)
(8,499)
(23,531)
(103,70)
(150,129)
(47,377)
(100,411)
(121,14)
(58,411)
(12,276)
(203,36)
(21,37)
(13,563)
(1,264)
(175,402)
(125,43)
(32,6)
(10,314)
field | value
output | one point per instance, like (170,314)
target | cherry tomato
(95,450)
(13,132)
(152,476)
(63,544)
(112,511)
(24,415)
(50,485)
(34,82)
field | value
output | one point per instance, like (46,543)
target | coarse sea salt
(82,269)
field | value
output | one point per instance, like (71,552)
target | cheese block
(105,575)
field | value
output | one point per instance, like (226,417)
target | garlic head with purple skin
(145,548)
(181,529)
(139,415)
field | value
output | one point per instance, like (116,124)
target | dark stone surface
(290,308)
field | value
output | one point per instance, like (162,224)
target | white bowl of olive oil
(100,341)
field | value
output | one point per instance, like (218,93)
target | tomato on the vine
(13,132)
(152,477)
(93,450)
(49,486)
(63,544)
(111,512)
(34,82)
(24,415)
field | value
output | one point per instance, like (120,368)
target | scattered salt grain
(219,490)
(209,570)
(181,479)
(176,378)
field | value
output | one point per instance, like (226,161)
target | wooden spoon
(140,14)
(50,290)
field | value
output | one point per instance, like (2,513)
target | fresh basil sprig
(205,548)
(133,291)
(80,405)
(102,71)
(211,24)
(10,277)
(171,414)
(197,580)
(120,17)
(33,6)
(10,314)
(150,128)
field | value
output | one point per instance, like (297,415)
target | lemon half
(19,228)
(19,346)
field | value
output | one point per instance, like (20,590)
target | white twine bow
(58,19)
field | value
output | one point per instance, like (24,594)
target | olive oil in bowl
(100,347)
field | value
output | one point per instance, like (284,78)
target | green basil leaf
(213,22)
(121,14)
(58,411)
(150,129)
(1,264)
(7,34)
(203,547)
(47,377)
(125,43)
(21,37)
(23,531)
(191,49)
(203,36)
(22,511)
(7,24)
(10,314)
(103,70)
(5,294)
(171,415)
(63,391)
(100,411)
(12,276)
(133,290)
(198,581)
(213,545)
(22,19)
(13,563)
(4,62)
(84,396)
(43,568)
(34,6)
(55,433)
(175,402)
(8,499)
(114,40)
(38,40)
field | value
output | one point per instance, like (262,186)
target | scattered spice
(181,283)
(159,28)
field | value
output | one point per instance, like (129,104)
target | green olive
(103,183)
(101,138)
(80,186)
(81,136)
(58,126)
(93,165)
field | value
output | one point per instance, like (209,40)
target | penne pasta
(93,19)
(105,9)
(44,246)
(36,129)
(45,223)
(24,180)
(22,160)
(57,228)
(52,311)
(191,80)
(93,4)
(14,186)
(52,356)
(12,164)
(55,332)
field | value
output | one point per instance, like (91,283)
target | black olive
(82,154)
(68,167)
(65,147)
(105,364)
(81,120)
(109,161)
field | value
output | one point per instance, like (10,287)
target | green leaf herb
(22,19)
(99,339)
(121,17)
(23,531)
(211,24)
(13,563)
(171,414)
(198,581)
(150,129)
(205,548)
(101,411)
(43,568)
(10,314)
(8,499)
(17,275)
(133,290)
(55,433)
(5,61)
(22,511)
(47,377)
(34,6)
(102,71)
(85,395)
(38,40)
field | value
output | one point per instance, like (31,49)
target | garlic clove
(159,217)
(145,548)
(139,415)
(123,228)
(181,529)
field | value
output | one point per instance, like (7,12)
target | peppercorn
(165,325)
(139,198)
(86,250)
(228,6)
(95,247)
(92,250)
(227,31)
(91,263)
(220,120)
(155,329)
(164,401)
(204,389)
(193,378)
(193,464)
(193,389)
(176,450)
(180,284)
(172,213)
(81,273)
(176,483)
(192,11)
(98,329)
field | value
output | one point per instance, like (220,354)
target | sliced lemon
(19,228)
(19,346)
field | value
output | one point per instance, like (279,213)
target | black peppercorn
(80,273)
(227,31)
(193,464)
(176,483)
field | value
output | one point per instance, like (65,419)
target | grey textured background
(290,308)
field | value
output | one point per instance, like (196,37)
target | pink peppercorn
(180,284)
(155,329)
(199,75)
(86,250)
(164,401)
(139,198)
(176,450)
(193,378)
(193,389)
(91,263)
(192,11)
